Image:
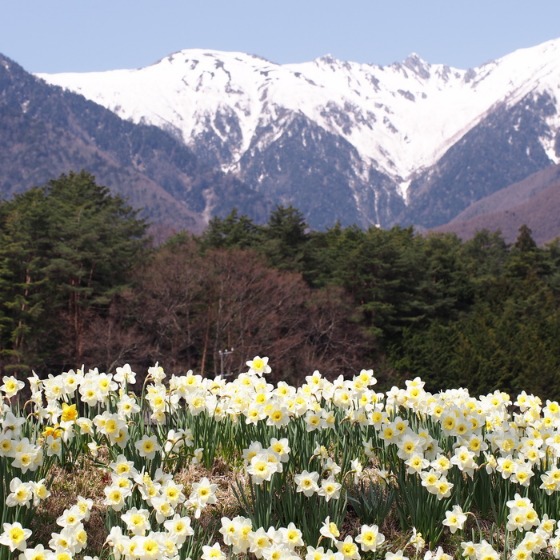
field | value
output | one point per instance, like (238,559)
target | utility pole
(223,354)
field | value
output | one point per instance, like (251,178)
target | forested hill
(46,131)
(81,284)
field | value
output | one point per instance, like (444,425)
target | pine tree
(67,247)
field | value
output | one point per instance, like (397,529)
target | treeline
(80,283)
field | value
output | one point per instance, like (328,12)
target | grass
(86,479)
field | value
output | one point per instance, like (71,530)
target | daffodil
(148,446)
(370,538)
(291,536)
(125,376)
(213,552)
(330,489)
(330,530)
(179,528)
(11,386)
(69,413)
(455,519)
(261,468)
(258,366)
(21,493)
(15,536)
(307,482)
(348,549)
(259,541)
(137,520)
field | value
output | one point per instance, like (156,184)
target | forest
(82,284)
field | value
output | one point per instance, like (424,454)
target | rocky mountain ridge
(373,144)
(45,131)
(202,132)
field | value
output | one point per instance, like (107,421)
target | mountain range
(201,132)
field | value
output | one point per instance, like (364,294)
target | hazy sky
(85,35)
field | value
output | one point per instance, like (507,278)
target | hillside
(46,131)
(407,143)
(535,201)
(200,133)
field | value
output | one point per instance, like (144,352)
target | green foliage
(23,258)
(384,274)
(66,248)
(232,231)
(326,254)
(372,500)
(76,284)
(506,337)
(284,238)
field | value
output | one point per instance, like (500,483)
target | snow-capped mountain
(366,144)
(46,131)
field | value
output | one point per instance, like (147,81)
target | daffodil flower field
(329,470)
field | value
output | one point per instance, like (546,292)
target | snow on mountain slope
(400,118)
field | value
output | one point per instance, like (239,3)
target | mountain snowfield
(400,118)
(411,143)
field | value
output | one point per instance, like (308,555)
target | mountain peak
(8,63)
(417,65)
(414,58)
(401,117)
(394,124)
(327,59)
(187,55)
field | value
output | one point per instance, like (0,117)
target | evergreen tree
(446,288)
(232,231)
(284,238)
(24,250)
(326,254)
(525,259)
(384,274)
(67,248)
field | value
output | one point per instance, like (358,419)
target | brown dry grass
(80,479)
(89,480)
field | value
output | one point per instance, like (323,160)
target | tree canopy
(65,249)
(80,283)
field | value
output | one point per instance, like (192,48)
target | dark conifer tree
(66,248)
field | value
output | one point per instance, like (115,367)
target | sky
(93,35)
